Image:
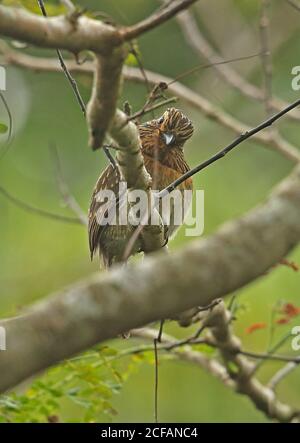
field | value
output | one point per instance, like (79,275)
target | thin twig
(262,356)
(156,381)
(155,341)
(271,351)
(201,46)
(68,198)
(218,115)
(194,338)
(112,160)
(161,86)
(29,208)
(141,67)
(281,374)
(266,55)
(269,356)
(294,4)
(211,65)
(290,264)
(244,136)
(194,99)
(271,327)
(157,18)
(240,368)
(246,383)
(266,59)
(67,73)
(146,110)
(155,93)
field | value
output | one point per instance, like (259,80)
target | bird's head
(174,128)
(165,136)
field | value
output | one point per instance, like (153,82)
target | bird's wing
(99,210)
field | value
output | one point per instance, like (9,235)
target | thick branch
(183,92)
(103,102)
(156,19)
(105,305)
(131,163)
(75,35)
(243,382)
(262,396)
(129,156)
(58,32)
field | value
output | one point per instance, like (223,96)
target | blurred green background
(39,256)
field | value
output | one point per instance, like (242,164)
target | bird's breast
(173,207)
(164,174)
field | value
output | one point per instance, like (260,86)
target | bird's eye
(160,120)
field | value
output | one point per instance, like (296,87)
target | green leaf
(232,367)
(3,128)
(89,381)
(131,60)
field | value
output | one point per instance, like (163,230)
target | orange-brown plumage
(162,143)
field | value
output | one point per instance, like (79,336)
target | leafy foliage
(87,382)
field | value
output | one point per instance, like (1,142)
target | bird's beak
(168,138)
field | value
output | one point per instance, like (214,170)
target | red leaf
(290,310)
(282,321)
(255,327)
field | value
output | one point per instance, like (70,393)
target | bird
(162,142)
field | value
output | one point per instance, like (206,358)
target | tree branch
(68,198)
(294,4)
(105,93)
(185,353)
(131,163)
(186,94)
(222,338)
(34,210)
(58,32)
(64,68)
(128,297)
(216,114)
(242,137)
(82,34)
(156,19)
(104,40)
(266,55)
(263,397)
(282,374)
(201,46)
